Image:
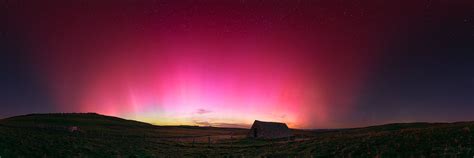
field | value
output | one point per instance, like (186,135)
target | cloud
(202,111)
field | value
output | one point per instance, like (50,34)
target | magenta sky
(220,63)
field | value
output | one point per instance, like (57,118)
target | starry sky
(308,63)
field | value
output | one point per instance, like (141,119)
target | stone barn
(269,130)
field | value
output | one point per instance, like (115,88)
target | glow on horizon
(202,90)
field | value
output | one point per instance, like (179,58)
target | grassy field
(49,135)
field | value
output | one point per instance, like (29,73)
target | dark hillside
(49,135)
(70,119)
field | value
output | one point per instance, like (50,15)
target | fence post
(209,141)
(231,140)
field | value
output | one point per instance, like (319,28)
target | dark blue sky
(427,75)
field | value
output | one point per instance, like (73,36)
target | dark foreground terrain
(93,135)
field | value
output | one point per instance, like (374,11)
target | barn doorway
(255,133)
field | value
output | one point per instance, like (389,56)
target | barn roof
(275,125)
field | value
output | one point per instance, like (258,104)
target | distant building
(269,130)
(73,129)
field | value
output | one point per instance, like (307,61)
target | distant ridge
(70,119)
(94,119)
(86,120)
(414,125)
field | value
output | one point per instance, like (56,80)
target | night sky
(309,63)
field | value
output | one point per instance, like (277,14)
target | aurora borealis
(311,64)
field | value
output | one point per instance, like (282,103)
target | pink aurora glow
(174,67)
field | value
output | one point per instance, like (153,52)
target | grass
(47,135)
